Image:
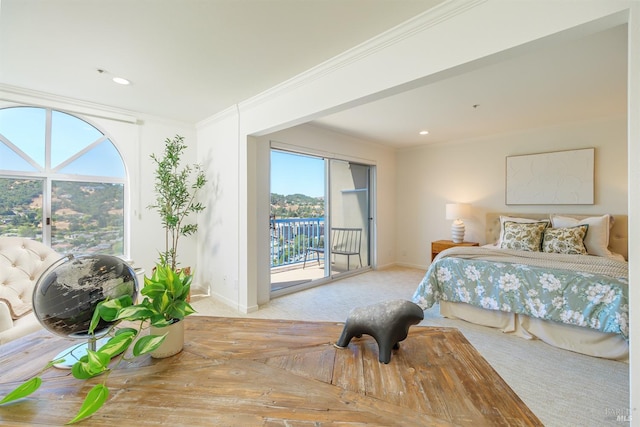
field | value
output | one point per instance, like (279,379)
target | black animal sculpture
(387,322)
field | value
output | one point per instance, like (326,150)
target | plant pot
(173,343)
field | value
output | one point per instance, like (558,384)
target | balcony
(290,238)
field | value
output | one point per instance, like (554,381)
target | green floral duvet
(575,296)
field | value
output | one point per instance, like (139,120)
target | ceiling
(190,59)
(571,81)
(186,59)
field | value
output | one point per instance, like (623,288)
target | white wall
(633,91)
(473,171)
(219,235)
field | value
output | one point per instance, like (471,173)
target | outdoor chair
(344,241)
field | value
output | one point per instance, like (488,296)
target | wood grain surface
(255,372)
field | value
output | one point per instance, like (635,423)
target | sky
(26,129)
(292,174)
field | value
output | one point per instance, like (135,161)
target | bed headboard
(618,236)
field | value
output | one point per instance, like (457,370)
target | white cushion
(22,261)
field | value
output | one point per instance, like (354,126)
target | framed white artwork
(556,178)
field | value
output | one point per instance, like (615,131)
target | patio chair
(344,241)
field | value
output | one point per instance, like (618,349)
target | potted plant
(164,304)
(176,188)
(165,297)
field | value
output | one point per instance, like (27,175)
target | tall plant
(176,187)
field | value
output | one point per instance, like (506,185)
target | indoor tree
(176,188)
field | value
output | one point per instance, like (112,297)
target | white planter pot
(172,344)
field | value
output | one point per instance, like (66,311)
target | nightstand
(440,245)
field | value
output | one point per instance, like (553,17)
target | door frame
(371,241)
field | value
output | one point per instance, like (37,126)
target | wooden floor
(256,372)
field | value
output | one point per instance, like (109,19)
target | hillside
(296,206)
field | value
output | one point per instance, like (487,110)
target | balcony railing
(290,238)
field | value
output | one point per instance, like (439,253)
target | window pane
(11,161)
(25,128)
(21,208)
(102,160)
(69,135)
(87,217)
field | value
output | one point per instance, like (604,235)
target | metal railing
(290,238)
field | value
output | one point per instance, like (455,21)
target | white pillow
(597,238)
(504,219)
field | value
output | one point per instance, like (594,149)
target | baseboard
(234,304)
(405,264)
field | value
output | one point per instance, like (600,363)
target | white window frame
(48,174)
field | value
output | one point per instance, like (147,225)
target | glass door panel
(349,216)
(297,219)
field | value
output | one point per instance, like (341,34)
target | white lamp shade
(458,210)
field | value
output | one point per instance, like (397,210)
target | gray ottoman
(387,322)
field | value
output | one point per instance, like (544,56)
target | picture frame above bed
(553,178)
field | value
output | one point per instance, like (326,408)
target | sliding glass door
(320,219)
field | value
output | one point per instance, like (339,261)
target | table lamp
(457,211)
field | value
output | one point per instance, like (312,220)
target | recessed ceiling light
(121,81)
(424,132)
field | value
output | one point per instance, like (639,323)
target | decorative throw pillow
(597,240)
(523,236)
(569,240)
(517,219)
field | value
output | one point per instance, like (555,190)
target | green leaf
(23,390)
(134,312)
(188,309)
(95,318)
(148,344)
(118,344)
(126,331)
(109,309)
(94,401)
(153,290)
(98,361)
(91,365)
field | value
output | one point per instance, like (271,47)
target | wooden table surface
(255,372)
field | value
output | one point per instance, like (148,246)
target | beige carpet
(562,388)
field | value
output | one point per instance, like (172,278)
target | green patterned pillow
(523,236)
(569,240)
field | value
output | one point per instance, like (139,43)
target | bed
(569,288)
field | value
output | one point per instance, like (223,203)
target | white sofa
(22,262)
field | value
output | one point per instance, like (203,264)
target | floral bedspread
(583,298)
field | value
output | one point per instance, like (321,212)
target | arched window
(62,181)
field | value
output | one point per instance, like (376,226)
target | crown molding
(35,98)
(231,111)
